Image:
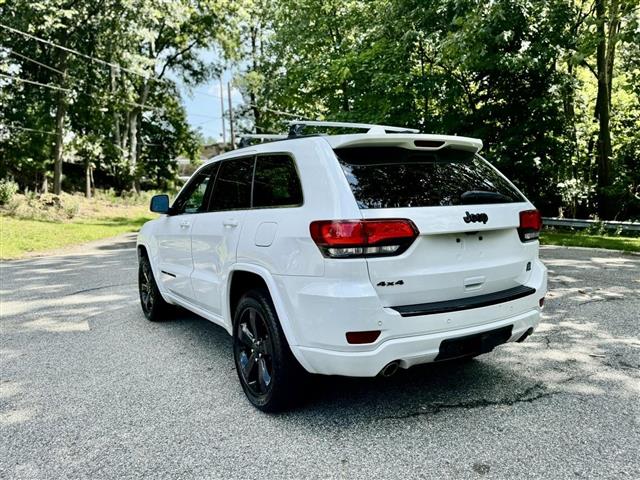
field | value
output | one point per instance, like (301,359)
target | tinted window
(390,177)
(276,182)
(233,185)
(193,198)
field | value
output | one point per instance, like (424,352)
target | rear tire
(270,375)
(154,307)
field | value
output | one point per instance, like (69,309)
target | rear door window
(276,182)
(232,190)
(392,177)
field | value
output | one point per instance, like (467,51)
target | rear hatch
(467,215)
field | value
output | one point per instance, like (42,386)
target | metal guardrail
(578,223)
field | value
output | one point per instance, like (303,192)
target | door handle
(230,223)
(185,224)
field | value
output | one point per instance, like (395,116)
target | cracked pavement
(90,389)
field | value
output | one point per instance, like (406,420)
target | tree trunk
(87,179)
(612,39)
(134,133)
(252,94)
(133,149)
(345,96)
(602,105)
(61,112)
(423,78)
(116,118)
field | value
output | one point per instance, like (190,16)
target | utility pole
(233,135)
(224,132)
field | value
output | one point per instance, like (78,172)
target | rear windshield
(391,177)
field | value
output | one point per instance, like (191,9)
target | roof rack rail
(245,140)
(296,127)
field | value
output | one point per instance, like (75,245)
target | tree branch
(175,56)
(584,63)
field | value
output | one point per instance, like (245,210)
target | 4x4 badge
(475,217)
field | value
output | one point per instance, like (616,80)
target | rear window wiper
(475,197)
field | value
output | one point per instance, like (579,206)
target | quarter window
(232,190)
(276,182)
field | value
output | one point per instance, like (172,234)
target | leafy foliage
(515,73)
(550,86)
(126,120)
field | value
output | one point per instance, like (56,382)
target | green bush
(8,189)
(46,206)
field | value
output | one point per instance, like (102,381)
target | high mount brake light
(363,238)
(530,225)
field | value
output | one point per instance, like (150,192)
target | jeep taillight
(530,225)
(363,238)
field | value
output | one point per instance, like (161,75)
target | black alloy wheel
(270,375)
(153,305)
(255,352)
(146,288)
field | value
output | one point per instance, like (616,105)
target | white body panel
(319,299)
(173,236)
(214,243)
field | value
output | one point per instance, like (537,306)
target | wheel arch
(256,276)
(141,249)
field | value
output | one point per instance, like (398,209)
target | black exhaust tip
(525,335)
(390,369)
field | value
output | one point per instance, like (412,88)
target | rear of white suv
(357,254)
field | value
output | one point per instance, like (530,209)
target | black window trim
(207,193)
(295,166)
(253,175)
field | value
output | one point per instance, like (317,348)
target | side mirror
(159,204)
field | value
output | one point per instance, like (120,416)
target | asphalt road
(90,389)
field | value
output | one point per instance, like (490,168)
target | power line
(279,112)
(118,66)
(17,54)
(29,59)
(75,52)
(45,85)
(50,132)
(55,87)
(18,127)
(202,92)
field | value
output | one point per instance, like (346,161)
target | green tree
(124,53)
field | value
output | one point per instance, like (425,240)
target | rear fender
(285,320)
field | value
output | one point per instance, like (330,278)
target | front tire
(153,305)
(270,375)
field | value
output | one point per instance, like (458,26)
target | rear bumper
(318,312)
(408,351)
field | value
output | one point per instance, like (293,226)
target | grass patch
(579,239)
(19,237)
(37,223)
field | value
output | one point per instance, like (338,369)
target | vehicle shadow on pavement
(422,389)
(571,353)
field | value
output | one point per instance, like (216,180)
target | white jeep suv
(347,255)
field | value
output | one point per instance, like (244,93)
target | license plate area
(475,344)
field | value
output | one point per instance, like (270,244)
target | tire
(153,305)
(271,377)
